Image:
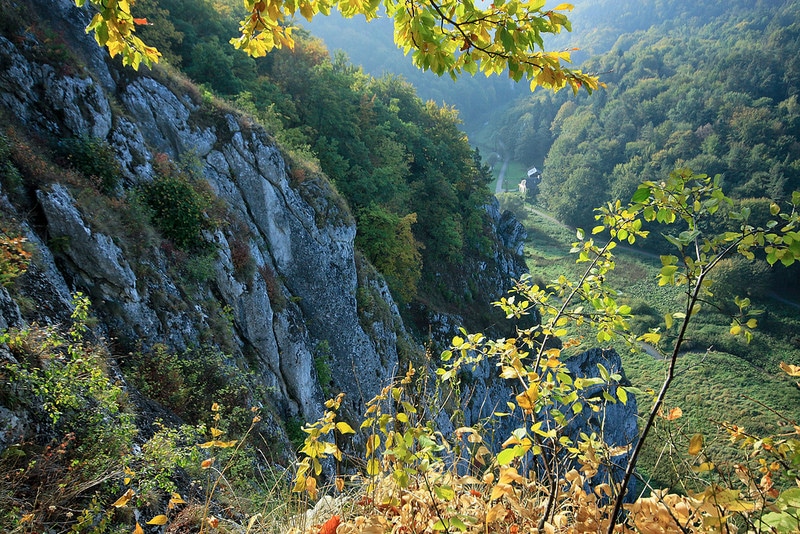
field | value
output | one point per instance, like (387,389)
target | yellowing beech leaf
(344,428)
(696,444)
(527,399)
(158,520)
(791,370)
(495,513)
(311,487)
(373,467)
(123,501)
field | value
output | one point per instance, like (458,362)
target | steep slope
(281,287)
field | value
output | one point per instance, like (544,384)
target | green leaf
(604,374)
(506,456)
(641,194)
(446,493)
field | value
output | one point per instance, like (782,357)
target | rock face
(294,315)
(304,249)
(301,293)
(616,422)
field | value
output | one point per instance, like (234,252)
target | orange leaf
(212,521)
(674,413)
(138,529)
(330,525)
(140,22)
(205,464)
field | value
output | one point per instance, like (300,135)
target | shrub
(94,158)
(244,265)
(276,298)
(178,208)
(14,257)
(322,365)
(83,426)
(9,174)
(189,382)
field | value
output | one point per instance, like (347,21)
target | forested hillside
(415,186)
(715,91)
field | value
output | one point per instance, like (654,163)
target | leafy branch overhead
(444,36)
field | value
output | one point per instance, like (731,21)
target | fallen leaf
(330,526)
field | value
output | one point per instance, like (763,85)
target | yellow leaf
(175,500)
(123,501)
(373,467)
(495,513)
(344,428)
(299,484)
(27,518)
(339,484)
(158,520)
(499,490)
(791,370)
(216,432)
(527,399)
(696,444)
(311,487)
(373,442)
(704,467)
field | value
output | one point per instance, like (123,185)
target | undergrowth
(90,472)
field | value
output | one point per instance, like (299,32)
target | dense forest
(716,93)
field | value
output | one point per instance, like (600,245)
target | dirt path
(499,187)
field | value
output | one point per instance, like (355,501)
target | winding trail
(499,187)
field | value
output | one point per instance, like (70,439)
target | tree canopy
(444,36)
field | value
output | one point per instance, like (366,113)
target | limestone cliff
(300,290)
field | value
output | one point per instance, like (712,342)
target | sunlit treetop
(444,36)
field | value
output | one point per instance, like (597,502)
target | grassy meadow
(720,378)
